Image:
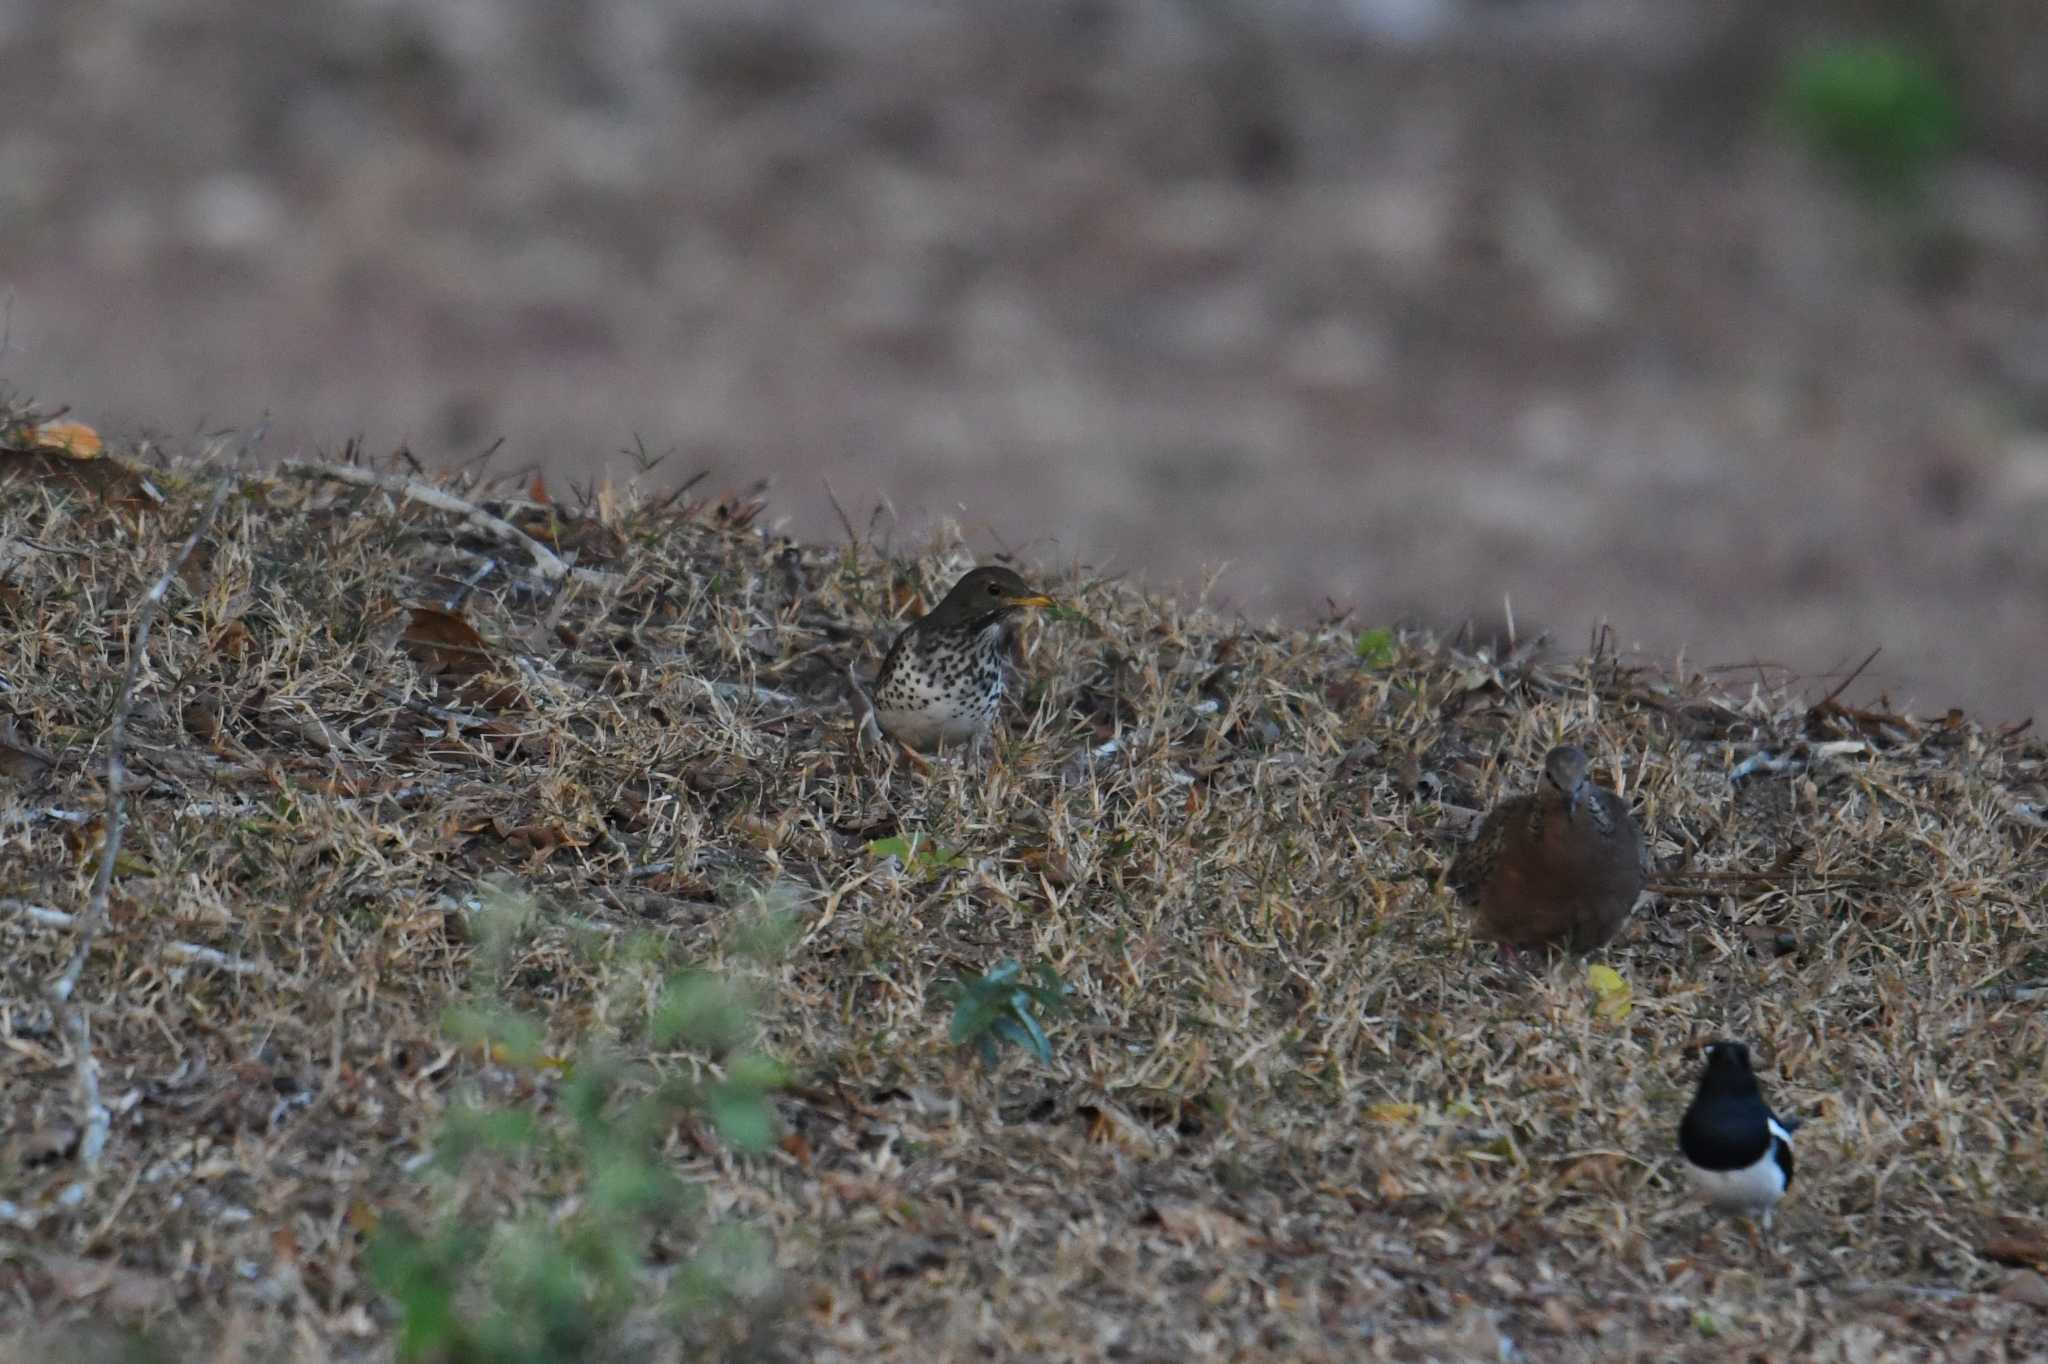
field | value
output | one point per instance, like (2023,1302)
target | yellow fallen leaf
(361,1218)
(1612,997)
(503,1055)
(1392,1112)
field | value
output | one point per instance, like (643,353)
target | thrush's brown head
(980,599)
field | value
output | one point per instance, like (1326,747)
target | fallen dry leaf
(2026,1286)
(1111,1125)
(540,840)
(44,1144)
(201,720)
(1598,1171)
(1052,864)
(905,600)
(114,1288)
(2028,1249)
(764,834)
(1194,1224)
(72,440)
(21,760)
(443,642)
(232,639)
(71,453)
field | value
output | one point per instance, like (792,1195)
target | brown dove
(1560,866)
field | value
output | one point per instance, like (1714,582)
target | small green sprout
(1001,1006)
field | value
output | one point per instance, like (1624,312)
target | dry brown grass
(1296,1112)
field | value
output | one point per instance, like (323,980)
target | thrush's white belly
(926,717)
(944,699)
(927,727)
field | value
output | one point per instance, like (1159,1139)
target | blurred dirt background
(1401,305)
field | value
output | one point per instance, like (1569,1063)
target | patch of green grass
(1376,648)
(1882,110)
(553,1272)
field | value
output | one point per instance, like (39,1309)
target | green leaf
(917,852)
(1004,972)
(768,934)
(742,1116)
(973,1015)
(466,1130)
(1021,1020)
(736,1263)
(423,1276)
(511,1037)
(624,1184)
(1883,110)
(999,1007)
(757,1071)
(586,1093)
(700,1010)
(1375,648)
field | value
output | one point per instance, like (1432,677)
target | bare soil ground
(1294,1113)
(1511,298)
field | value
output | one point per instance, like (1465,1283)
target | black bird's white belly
(1748,1188)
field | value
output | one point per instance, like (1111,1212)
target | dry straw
(1295,1111)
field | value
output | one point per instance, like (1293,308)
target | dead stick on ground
(94,1118)
(549,564)
(1711,882)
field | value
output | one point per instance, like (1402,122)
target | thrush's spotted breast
(943,677)
(1560,866)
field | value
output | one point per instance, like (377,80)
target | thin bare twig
(1845,683)
(546,562)
(863,707)
(45,917)
(845,521)
(730,693)
(2015,994)
(1703,882)
(95,1118)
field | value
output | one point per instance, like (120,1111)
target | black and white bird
(1738,1152)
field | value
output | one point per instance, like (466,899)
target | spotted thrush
(943,677)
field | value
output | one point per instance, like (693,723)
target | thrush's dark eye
(994,590)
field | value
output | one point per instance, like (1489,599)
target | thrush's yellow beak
(1039,599)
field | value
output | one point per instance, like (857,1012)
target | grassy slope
(1296,1112)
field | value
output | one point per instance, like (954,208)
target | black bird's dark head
(1566,770)
(981,598)
(1728,1070)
